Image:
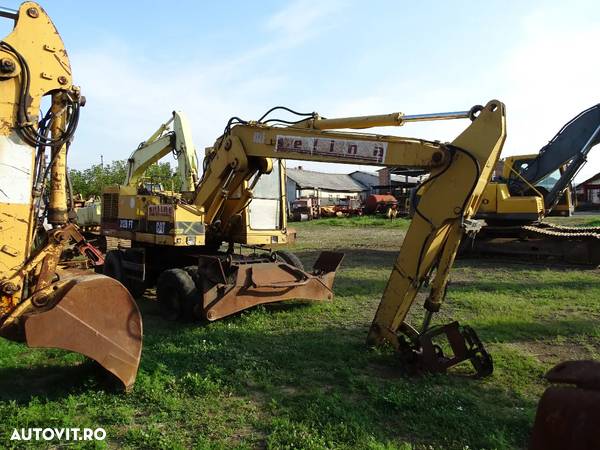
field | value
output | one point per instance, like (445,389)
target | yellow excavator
(174,136)
(43,303)
(528,188)
(177,238)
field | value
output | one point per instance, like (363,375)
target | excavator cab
(44,303)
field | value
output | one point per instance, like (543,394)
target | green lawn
(299,376)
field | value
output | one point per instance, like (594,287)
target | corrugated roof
(308,179)
(394,177)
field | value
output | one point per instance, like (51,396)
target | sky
(138,61)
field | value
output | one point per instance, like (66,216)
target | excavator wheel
(113,267)
(93,315)
(176,294)
(289,258)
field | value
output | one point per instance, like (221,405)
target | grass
(299,376)
(358,221)
(579,220)
(592,223)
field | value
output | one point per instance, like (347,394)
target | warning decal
(365,151)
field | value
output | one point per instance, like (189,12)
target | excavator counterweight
(42,303)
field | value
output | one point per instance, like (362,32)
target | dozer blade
(95,316)
(269,282)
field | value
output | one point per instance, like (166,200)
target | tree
(90,182)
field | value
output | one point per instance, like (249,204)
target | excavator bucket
(95,316)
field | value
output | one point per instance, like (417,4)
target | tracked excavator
(42,303)
(528,188)
(177,239)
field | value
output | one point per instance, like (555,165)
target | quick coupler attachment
(424,355)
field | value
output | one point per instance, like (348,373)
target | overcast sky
(137,61)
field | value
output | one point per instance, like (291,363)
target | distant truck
(380,204)
(305,208)
(349,206)
(88,215)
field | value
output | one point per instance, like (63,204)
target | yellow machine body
(499,205)
(41,303)
(146,213)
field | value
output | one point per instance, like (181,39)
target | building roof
(365,178)
(395,178)
(594,180)
(341,182)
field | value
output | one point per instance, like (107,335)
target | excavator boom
(534,186)
(569,147)
(177,141)
(41,303)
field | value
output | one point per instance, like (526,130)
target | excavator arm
(459,172)
(568,148)
(177,140)
(41,303)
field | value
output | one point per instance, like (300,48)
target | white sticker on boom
(363,151)
(16,160)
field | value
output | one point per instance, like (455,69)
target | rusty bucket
(93,315)
(569,413)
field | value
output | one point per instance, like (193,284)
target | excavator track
(551,229)
(539,242)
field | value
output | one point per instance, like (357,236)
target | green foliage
(90,182)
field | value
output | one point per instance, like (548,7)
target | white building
(329,188)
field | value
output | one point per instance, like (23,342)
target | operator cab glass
(265,208)
(549,182)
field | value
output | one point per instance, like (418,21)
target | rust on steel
(260,283)
(93,315)
(568,414)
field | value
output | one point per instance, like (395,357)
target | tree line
(90,182)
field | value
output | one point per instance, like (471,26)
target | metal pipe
(590,143)
(57,210)
(9,13)
(437,116)
(426,321)
(383,120)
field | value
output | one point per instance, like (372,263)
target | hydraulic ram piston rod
(383,120)
(9,13)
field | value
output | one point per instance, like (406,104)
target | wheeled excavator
(42,303)
(126,208)
(528,188)
(182,235)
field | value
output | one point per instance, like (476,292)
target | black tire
(175,293)
(289,258)
(193,308)
(135,287)
(113,265)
